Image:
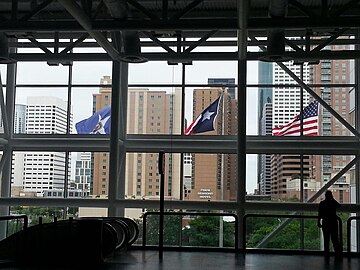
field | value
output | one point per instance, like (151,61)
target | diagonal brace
(319,99)
(329,40)
(37,9)
(200,41)
(158,42)
(186,10)
(287,221)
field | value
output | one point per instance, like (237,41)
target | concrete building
(214,174)
(187,180)
(83,178)
(19,119)
(265,76)
(17,174)
(333,72)
(44,170)
(264,165)
(286,104)
(231,90)
(149,112)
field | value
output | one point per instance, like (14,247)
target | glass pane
(296,234)
(94,72)
(181,229)
(161,73)
(41,73)
(143,178)
(46,214)
(280,176)
(38,174)
(86,102)
(154,112)
(89,175)
(41,111)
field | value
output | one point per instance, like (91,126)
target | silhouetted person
(327,220)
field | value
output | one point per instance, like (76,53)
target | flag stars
(207,115)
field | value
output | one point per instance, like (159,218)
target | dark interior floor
(175,260)
(186,260)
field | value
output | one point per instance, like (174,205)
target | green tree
(172,230)
(205,230)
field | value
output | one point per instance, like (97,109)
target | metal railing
(236,222)
(24,217)
(348,234)
(289,218)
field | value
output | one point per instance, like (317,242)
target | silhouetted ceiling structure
(309,26)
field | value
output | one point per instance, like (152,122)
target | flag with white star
(99,123)
(206,120)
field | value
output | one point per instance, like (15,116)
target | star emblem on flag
(100,126)
(98,123)
(206,120)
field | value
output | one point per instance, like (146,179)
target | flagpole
(221,221)
(301,156)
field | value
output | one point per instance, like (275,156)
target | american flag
(310,123)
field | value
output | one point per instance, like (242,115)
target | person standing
(328,221)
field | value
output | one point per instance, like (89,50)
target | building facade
(264,164)
(326,166)
(149,112)
(44,170)
(213,175)
(286,104)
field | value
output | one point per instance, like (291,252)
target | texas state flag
(98,123)
(206,120)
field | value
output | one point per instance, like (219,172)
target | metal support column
(356,182)
(161,165)
(118,135)
(7,154)
(241,139)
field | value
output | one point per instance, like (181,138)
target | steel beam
(171,204)
(186,57)
(85,22)
(206,23)
(194,144)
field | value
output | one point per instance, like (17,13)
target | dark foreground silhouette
(86,241)
(328,221)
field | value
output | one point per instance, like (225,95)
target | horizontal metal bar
(207,23)
(193,56)
(173,204)
(191,144)
(207,43)
(150,85)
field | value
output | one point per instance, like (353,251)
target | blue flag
(99,123)
(206,120)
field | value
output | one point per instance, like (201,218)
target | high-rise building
(149,112)
(100,161)
(264,177)
(19,118)
(44,170)
(83,173)
(265,76)
(286,104)
(231,90)
(326,166)
(214,175)
(17,174)
(187,175)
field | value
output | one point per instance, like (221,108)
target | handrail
(289,216)
(26,220)
(348,228)
(192,214)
